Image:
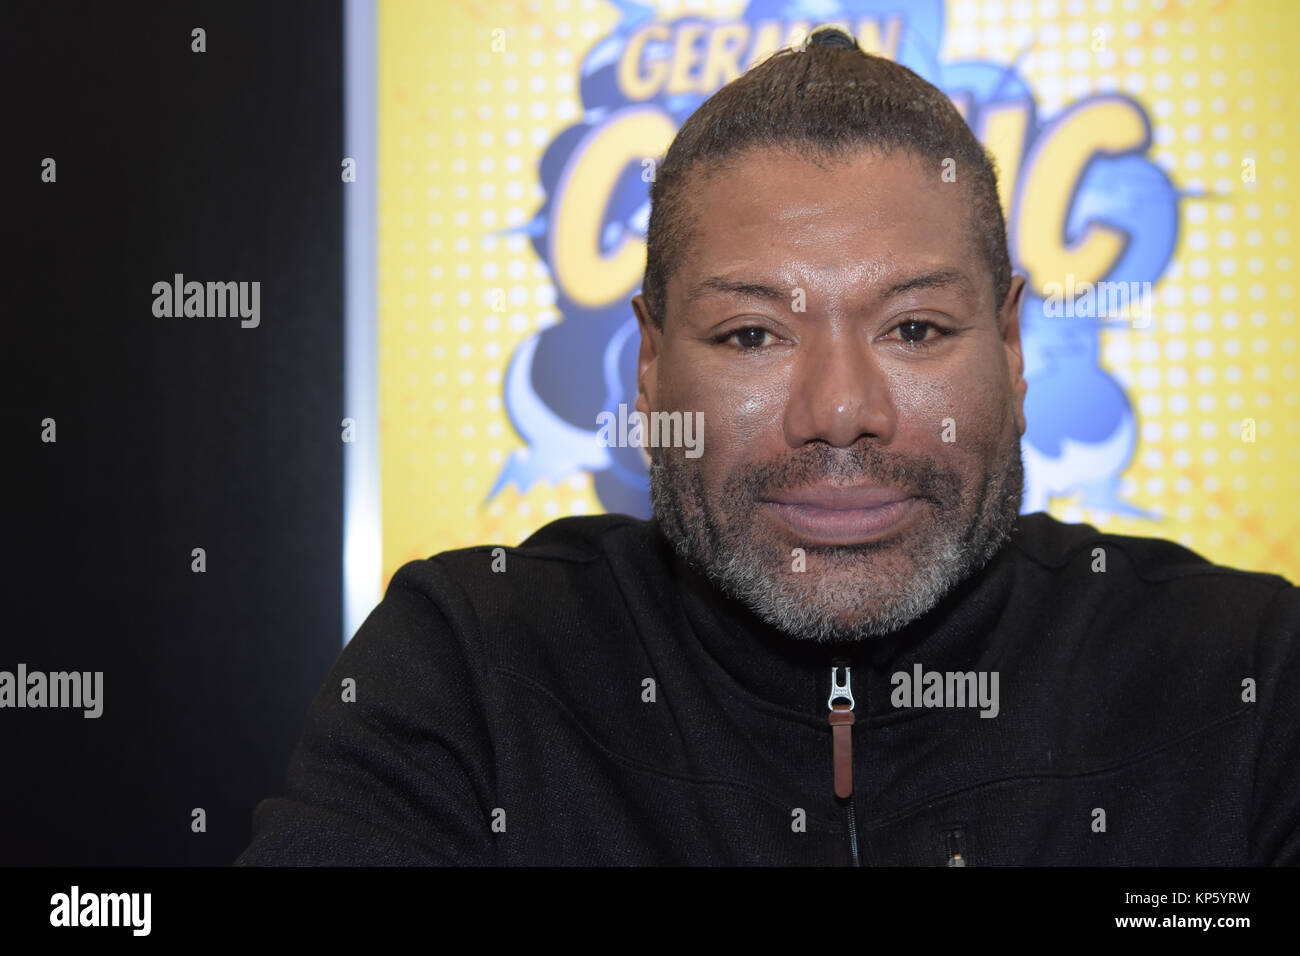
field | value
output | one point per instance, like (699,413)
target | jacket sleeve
(1275,823)
(402,775)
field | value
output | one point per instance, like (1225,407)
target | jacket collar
(794,675)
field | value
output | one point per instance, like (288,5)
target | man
(837,642)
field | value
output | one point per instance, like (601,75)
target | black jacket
(596,702)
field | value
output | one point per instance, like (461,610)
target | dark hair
(822,100)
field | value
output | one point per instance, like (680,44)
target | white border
(362,531)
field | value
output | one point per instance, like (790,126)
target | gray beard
(856,596)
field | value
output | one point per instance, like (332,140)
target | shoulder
(558,549)
(560,578)
(1155,592)
(1060,545)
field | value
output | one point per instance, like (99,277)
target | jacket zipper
(955,843)
(841,720)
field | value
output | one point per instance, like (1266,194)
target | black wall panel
(172,433)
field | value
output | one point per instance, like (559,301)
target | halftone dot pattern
(462,128)
(1219,85)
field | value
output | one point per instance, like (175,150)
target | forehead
(866,212)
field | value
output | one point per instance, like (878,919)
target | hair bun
(830,38)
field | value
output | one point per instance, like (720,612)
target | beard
(851,592)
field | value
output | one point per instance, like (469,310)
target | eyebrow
(936,279)
(744,290)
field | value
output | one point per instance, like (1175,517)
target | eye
(917,332)
(751,338)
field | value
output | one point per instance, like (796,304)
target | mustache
(856,466)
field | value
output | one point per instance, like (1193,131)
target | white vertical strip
(362,555)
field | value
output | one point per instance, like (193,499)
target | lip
(823,515)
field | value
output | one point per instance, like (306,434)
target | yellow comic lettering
(635,84)
(1052,172)
(585,275)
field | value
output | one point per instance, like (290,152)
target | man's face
(862,393)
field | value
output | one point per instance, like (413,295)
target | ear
(1009,325)
(647,360)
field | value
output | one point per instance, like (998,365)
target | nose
(839,394)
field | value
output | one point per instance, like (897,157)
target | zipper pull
(956,846)
(841,720)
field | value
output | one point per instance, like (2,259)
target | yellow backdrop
(471,94)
